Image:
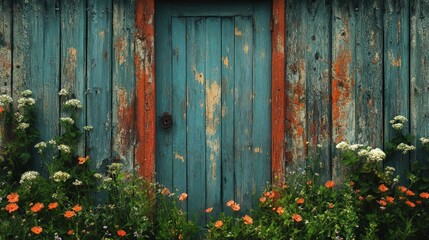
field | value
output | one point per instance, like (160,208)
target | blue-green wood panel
(99,80)
(123,82)
(5,47)
(214,77)
(419,75)
(73,56)
(396,72)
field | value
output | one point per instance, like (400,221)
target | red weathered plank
(144,60)
(278,90)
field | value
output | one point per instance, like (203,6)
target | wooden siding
(350,67)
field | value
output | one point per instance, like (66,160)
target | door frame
(144,60)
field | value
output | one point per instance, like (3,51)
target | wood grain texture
(144,60)
(419,75)
(396,73)
(73,57)
(123,83)
(278,91)
(99,69)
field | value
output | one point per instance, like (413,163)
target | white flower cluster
(67,120)
(40,146)
(23,102)
(405,148)
(389,170)
(77,182)
(376,155)
(73,103)
(424,140)
(29,177)
(26,93)
(19,117)
(88,128)
(60,176)
(342,146)
(64,148)
(398,122)
(98,175)
(114,168)
(52,142)
(23,126)
(63,92)
(5,99)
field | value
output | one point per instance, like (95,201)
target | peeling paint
(257,150)
(102,34)
(213,95)
(70,66)
(237,32)
(121,50)
(125,129)
(376,58)
(246,48)
(225,61)
(199,76)
(396,62)
(179,157)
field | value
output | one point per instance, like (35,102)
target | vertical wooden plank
(20,51)
(196,110)
(343,79)
(227,98)
(369,72)
(261,171)
(99,67)
(278,91)
(296,86)
(243,106)
(123,77)
(179,102)
(73,56)
(164,165)
(316,22)
(213,128)
(419,60)
(396,72)
(144,60)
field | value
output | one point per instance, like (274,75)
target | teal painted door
(213,75)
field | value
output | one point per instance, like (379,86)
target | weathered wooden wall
(350,67)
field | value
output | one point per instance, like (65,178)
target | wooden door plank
(369,72)
(196,110)
(73,57)
(396,73)
(203,9)
(343,80)
(261,171)
(164,152)
(213,127)
(21,46)
(179,135)
(228,89)
(243,115)
(419,60)
(99,67)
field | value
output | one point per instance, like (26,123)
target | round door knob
(166,120)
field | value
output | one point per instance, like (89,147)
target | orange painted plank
(144,59)
(278,90)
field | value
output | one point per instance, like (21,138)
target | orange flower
(37,207)
(165,191)
(36,230)
(402,189)
(229,203)
(183,196)
(77,208)
(418,202)
(121,233)
(69,214)
(235,207)
(13,197)
(52,205)
(351,183)
(383,188)
(11,207)
(424,195)
(331,205)
(300,201)
(247,220)
(262,199)
(280,210)
(218,224)
(361,198)
(410,204)
(209,210)
(390,199)
(382,202)
(329,184)
(70,232)
(272,194)
(1,109)
(284,185)
(296,217)
(82,160)
(410,193)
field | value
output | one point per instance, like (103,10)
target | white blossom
(5,99)
(376,155)
(400,118)
(29,176)
(98,175)
(19,117)
(63,92)
(60,176)
(64,148)
(23,102)
(88,128)
(363,153)
(73,103)
(23,126)
(26,93)
(342,146)
(77,182)
(52,142)
(405,148)
(40,146)
(355,147)
(424,140)
(397,126)
(67,120)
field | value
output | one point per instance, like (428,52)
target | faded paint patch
(224,111)
(179,157)
(257,150)
(121,50)
(70,67)
(225,61)
(396,62)
(246,48)
(376,58)
(198,76)
(102,34)
(213,95)
(125,128)
(237,32)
